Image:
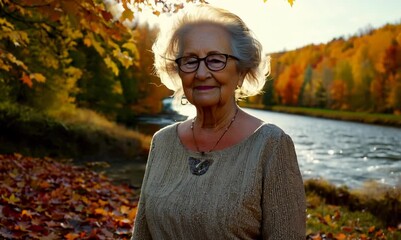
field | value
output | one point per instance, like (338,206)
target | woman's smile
(204,88)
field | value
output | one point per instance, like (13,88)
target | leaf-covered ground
(329,222)
(43,199)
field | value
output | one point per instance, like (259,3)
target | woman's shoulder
(272,134)
(253,127)
(166,131)
(271,129)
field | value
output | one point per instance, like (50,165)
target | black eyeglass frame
(199,60)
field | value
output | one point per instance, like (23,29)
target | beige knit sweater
(252,190)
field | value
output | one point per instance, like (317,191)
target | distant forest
(361,73)
(57,62)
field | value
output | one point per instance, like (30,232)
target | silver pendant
(199,166)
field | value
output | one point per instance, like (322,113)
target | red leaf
(26,80)
(106,15)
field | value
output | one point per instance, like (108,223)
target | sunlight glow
(282,27)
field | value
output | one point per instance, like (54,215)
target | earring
(184,100)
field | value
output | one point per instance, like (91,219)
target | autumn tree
(392,73)
(38,40)
(305,94)
(363,76)
(150,91)
(360,73)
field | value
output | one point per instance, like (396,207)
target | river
(344,153)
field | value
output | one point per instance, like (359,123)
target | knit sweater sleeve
(141,230)
(283,198)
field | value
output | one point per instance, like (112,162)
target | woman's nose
(202,72)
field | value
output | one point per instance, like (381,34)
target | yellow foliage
(17,62)
(46,27)
(127,14)
(291,2)
(96,44)
(132,48)
(71,33)
(112,44)
(73,72)
(38,77)
(117,88)
(4,66)
(123,57)
(112,65)
(5,25)
(49,61)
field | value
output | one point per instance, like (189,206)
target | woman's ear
(241,77)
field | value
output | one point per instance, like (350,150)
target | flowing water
(344,153)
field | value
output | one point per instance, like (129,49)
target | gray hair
(244,45)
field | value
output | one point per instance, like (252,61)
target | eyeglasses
(214,62)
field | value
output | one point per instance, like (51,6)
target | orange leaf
(327,219)
(124,209)
(26,213)
(26,79)
(132,213)
(341,236)
(363,237)
(44,184)
(391,229)
(87,42)
(101,211)
(103,203)
(71,236)
(371,229)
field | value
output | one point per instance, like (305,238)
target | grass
(79,134)
(372,212)
(364,117)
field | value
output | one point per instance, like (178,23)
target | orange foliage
(366,66)
(44,199)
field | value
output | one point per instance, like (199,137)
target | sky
(282,27)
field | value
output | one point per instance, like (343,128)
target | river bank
(362,117)
(82,135)
(332,211)
(45,198)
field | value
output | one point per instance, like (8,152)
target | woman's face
(204,87)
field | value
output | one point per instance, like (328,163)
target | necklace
(218,141)
(199,166)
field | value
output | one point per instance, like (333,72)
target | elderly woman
(224,174)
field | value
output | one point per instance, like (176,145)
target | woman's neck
(215,118)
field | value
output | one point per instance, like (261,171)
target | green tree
(305,94)
(268,92)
